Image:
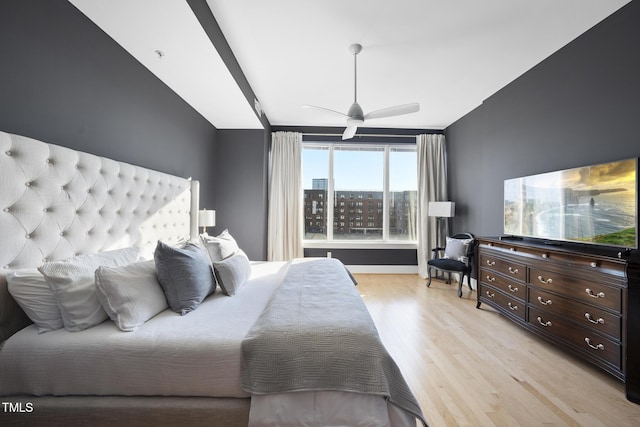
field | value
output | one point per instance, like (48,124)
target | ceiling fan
(355,116)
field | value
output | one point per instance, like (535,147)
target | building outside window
(379,179)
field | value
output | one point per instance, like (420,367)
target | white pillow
(457,249)
(31,291)
(73,284)
(220,247)
(130,295)
(233,272)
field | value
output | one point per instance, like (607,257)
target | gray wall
(241,176)
(580,106)
(64,81)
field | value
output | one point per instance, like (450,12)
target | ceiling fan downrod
(355,111)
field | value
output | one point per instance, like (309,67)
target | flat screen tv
(593,204)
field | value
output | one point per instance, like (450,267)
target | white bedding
(170,355)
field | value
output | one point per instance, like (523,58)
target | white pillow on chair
(457,249)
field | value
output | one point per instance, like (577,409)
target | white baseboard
(396,269)
(383,269)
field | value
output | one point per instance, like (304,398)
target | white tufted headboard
(56,203)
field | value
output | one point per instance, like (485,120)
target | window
(380,182)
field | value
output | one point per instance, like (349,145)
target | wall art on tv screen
(592,204)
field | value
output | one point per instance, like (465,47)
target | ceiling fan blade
(349,132)
(393,111)
(325,110)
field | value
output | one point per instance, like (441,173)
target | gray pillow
(457,249)
(232,272)
(130,295)
(185,276)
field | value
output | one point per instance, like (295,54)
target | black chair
(456,257)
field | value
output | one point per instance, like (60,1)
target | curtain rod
(361,135)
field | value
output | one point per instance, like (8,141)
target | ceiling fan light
(355,111)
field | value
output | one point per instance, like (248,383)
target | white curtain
(285,224)
(432,186)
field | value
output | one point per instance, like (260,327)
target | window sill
(358,244)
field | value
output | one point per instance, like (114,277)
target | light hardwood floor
(470,367)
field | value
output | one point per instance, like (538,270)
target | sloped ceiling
(447,55)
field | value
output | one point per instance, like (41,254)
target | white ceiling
(190,65)
(447,55)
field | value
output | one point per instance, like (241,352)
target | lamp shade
(442,209)
(206,218)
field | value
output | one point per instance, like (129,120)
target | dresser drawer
(513,270)
(583,338)
(572,287)
(590,317)
(510,305)
(508,286)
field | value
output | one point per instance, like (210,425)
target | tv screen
(592,204)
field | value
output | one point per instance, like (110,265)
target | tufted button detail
(45,210)
(28,184)
(8,153)
(6,267)
(6,209)
(44,260)
(49,161)
(28,236)
(62,233)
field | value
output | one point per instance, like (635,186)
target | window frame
(329,206)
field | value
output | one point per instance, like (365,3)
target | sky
(361,170)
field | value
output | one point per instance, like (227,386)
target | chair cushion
(448,264)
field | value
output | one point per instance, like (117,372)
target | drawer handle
(512,289)
(490,279)
(491,263)
(513,270)
(599,320)
(545,256)
(490,295)
(594,265)
(546,281)
(543,302)
(595,347)
(592,295)
(545,324)
(513,307)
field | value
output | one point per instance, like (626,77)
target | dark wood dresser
(582,298)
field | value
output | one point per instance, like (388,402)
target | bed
(265,354)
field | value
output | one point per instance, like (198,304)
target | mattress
(170,355)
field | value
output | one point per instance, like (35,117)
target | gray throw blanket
(316,334)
